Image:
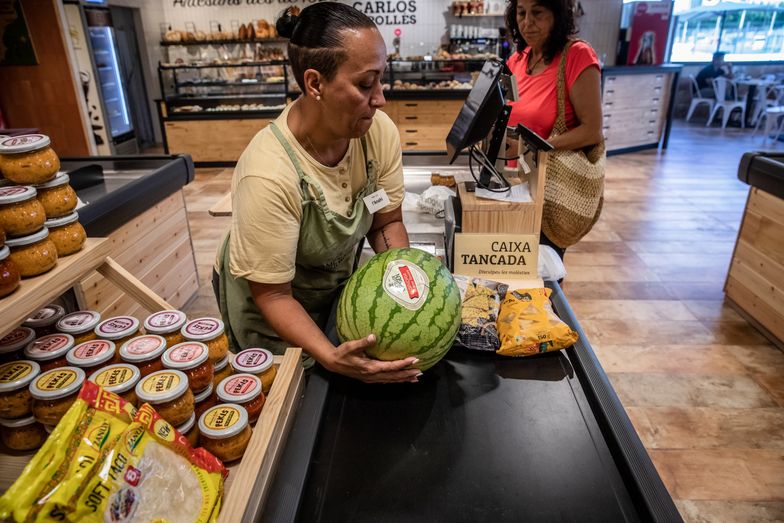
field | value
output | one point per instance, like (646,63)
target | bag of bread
(527,324)
(481,305)
(49,482)
(153,474)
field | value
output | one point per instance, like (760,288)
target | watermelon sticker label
(407,284)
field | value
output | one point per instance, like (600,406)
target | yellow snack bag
(153,474)
(527,324)
(49,482)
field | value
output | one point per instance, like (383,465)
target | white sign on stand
(499,257)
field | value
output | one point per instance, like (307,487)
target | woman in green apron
(307,189)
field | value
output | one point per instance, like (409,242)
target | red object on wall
(648,32)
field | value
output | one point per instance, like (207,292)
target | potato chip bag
(527,324)
(46,489)
(479,313)
(153,474)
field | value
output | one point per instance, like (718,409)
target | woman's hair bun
(287,22)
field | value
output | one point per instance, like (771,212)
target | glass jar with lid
(245,390)
(12,344)
(54,392)
(57,196)
(190,430)
(204,400)
(45,319)
(167,324)
(121,379)
(66,233)
(192,358)
(223,370)
(168,392)
(144,352)
(118,329)
(224,430)
(21,213)
(80,325)
(28,159)
(93,355)
(259,362)
(15,379)
(22,434)
(34,254)
(211,332)
(50,351)
(9,273)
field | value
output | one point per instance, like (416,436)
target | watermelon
(408,299)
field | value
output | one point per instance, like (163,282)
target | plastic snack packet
(527,324)
(47,485)
(481,305)
(153,474)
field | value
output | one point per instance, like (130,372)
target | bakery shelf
(226,84)
(226,42)
(217,66)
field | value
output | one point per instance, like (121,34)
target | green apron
(325,256)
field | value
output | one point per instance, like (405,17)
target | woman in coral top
(541,30)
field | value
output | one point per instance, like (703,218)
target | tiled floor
(703,388)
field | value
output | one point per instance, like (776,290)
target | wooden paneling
(423,124)
(45,96)
(212,140)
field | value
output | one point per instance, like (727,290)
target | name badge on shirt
(376,201)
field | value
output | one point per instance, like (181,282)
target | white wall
(600,26)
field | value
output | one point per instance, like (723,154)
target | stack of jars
(38,222)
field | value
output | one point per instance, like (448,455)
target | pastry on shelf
(243,33)
(200,36)
(251,31)
(172,36)
(189,37)
(262,29)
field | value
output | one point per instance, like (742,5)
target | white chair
(722,86)
(767,95)
(697,98)
(774,121)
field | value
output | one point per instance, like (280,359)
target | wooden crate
(212,140)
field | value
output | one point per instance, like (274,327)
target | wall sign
(500,257)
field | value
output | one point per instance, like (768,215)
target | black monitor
(485,103)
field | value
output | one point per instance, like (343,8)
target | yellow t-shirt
(267,202)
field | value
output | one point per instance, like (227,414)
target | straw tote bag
(574,188)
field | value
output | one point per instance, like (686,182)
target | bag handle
(560,120)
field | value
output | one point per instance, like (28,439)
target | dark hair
(719,54)
(563,26)
(314,36)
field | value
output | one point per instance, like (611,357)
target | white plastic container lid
(117,327)
(184,356)
(202,329)
(117,378)
(49,347)
(19,338)
(162,386)
(18,422)
(222,364)
(4,252)
(60,178)
(24,143)
(204,394)
(62,220)
(223,421)
(15,375)
(27,240)
(188,425)
(164,322)
(45,316)
(57,383)
(239,388)
(16,194)
(91,353)
(143,348)
(79,322)
(253,361)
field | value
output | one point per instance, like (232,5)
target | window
(747,30)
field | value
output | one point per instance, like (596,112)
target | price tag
(376,201)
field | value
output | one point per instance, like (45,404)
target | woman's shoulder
(581,50)
(516,59)
(265,158)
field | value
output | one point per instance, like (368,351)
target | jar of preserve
(224,431)
(192,358)
(15,379)
(57,196)
(80,324)
(166,324)
(144,352)
(93,355)
(118,329)
(210,332)
(34,254)
(259,362)
(45,319)
(22,433)
(50,351)
(20,213)
(223,370)
(66,233)
(9,273)
(28,159)
(245,390)
(168,392)
(204,400)
(12,344)
(190,430)
(121,379)
(54,392)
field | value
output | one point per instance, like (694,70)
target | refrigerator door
(115,98)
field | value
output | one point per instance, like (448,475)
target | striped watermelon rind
(427,333)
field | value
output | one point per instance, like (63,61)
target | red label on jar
(25,139)
(77,319)
(251,358)
(165,319)
(143,345)
(115,325)
(50,343)
(43,314)
(13,190)
(201,327)
(241,385)
(90,349)
(186,352)
(15,336)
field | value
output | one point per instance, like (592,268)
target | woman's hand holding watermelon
(350,360)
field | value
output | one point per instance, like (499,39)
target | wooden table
(223,207)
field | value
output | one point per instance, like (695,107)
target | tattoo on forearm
(384,236)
